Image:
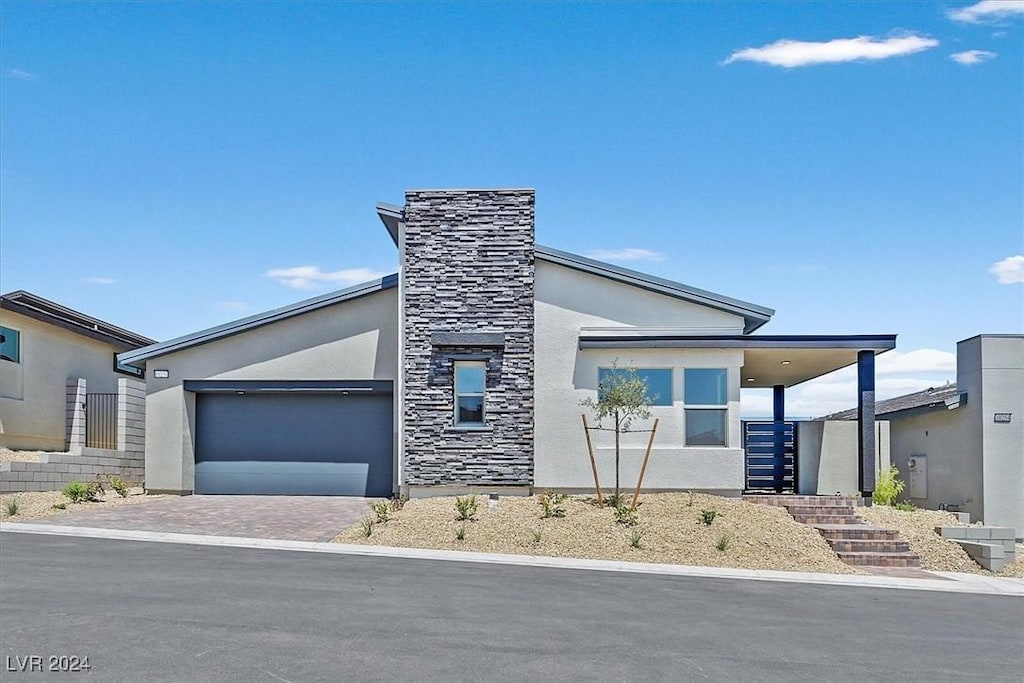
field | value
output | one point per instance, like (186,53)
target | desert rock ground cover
(7,455)
(36,504)
(759,536)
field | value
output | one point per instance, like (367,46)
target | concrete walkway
(946,582)
(291,518)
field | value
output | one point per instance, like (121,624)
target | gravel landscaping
(36,504)
(759,536)
(7,455)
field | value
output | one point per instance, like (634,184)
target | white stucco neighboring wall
(828,456)
(355,339)
(32,391)
(566,300)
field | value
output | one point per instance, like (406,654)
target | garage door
(329,444)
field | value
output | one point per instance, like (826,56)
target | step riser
(819,510)
(831,519)
(861,546)
(859,534)
(782,501)
(880,560)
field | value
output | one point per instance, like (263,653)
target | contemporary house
(961,446)
(52,359)
(465,372)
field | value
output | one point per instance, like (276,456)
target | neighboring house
(961,446)
(43,346)
(465,372)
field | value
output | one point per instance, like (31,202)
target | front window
(10,345)
(705,394)
(657,380)
(470,383)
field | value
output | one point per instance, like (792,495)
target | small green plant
(466,507)
(398,502)
(905,506)
(888,486)
(537,533)
(382,509)
(75,491)
(635,537)
(723,542)
(626,515)
(552,504)
(689,500)
(60,506)
(119,485)
(11,506)
(366,527)
(707,516)
(460,532)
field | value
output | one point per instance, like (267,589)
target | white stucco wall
(566,300)
(828,456)
(356,339)
(32,392)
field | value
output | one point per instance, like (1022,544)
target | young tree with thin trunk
(622,396)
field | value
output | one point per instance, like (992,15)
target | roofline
(244,324)
(36,307)
(879,343)
(754,316)
(391,215)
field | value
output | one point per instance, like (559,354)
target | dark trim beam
(866,446)
(779,436)
(860,342)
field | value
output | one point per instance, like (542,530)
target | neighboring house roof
(933,397)
(44,310)
(237,326)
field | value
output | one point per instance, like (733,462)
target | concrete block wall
(75,408)
(54,470)
(992,547)
(468,267)
(131,415)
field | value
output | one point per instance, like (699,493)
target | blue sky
(856,166)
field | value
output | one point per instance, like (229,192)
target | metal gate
(101,421)
(770,449)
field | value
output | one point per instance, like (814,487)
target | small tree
(621,396)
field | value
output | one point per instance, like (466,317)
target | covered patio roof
(768,360)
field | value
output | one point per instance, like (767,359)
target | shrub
(723,542)
(398,502)
(537,535)
(466,507)
(76,491)
(552,504)
(905,506)
(635,536)
(888,486)
(60,506)
(626,515)
(707,516)
(11,507)
(119,485)
(381,508)
(460,532)
(366,527)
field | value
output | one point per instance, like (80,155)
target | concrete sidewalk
(943,581)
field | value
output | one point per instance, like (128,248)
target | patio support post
(866,423)
(779,436)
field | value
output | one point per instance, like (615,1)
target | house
(961,446)
(51,359)
(465,372)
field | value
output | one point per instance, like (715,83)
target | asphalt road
(155,611)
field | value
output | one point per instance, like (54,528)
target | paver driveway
(293,518)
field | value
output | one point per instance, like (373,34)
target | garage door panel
(305,444)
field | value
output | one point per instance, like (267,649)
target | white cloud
(987,10)
(311,277)
(915,362)
(21,74)
(627,254)
(971,57)
(1008,271)
(235,306)
(100,280)
(792,53)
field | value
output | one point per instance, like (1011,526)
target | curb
(947,582)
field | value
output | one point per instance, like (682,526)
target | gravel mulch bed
(35,504)
(7,455)
(917,527)
(761,536)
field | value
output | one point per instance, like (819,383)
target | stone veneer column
(468,267)
(75,414)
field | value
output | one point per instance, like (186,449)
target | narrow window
(470,382)
(705,395)
(10,345)
(657,380)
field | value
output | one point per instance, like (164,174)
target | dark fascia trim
(315,386)
(861,342)
(238,326)
(36,307)
(467,338)
(754,316)
(391,215)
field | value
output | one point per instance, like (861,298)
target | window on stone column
(470,391)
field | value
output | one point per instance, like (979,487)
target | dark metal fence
(771,456)
(101,420)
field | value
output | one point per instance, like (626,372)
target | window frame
(4,329)
(654,404)
(456,394)
(720,408)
